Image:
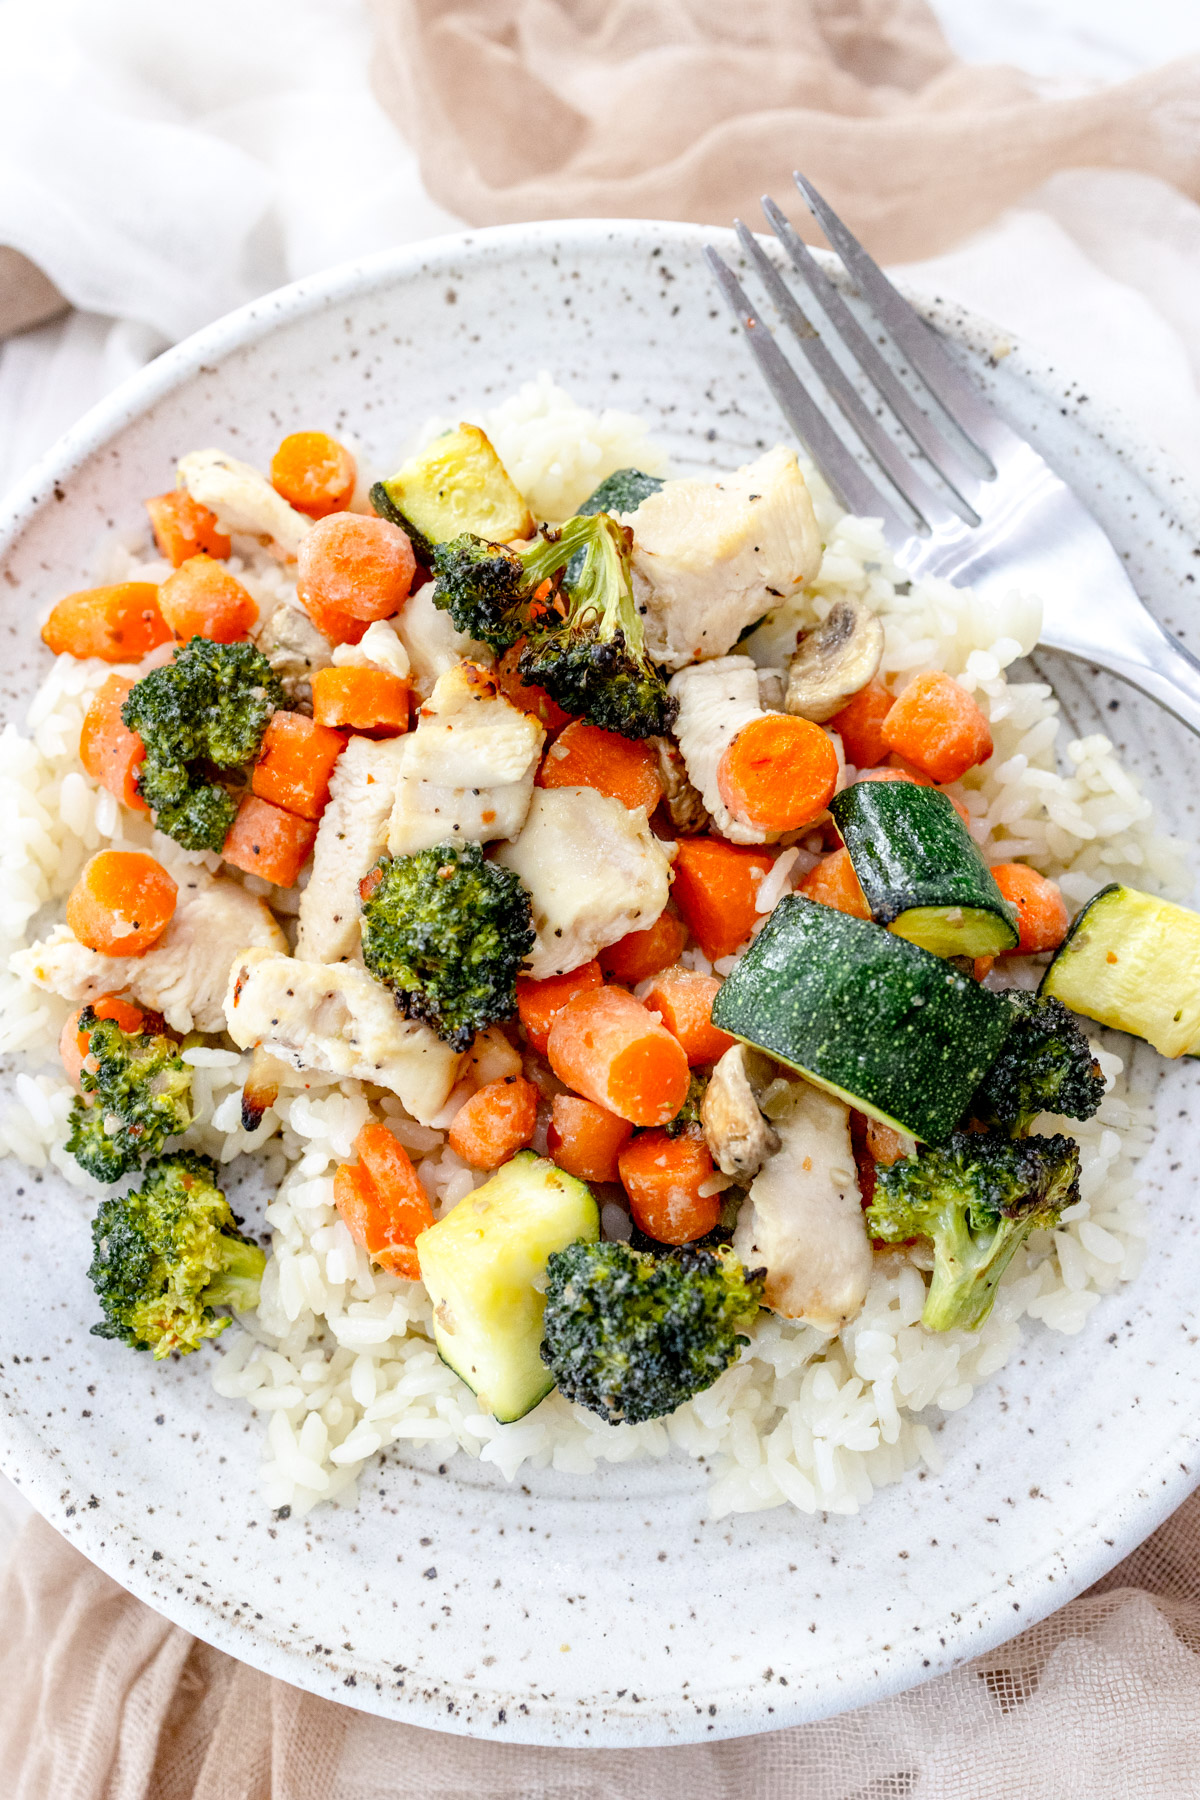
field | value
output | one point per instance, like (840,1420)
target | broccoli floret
(140,1096)
(488,589)
(447,931)
(167,1254)
(1046,1065)
(689,1112)
(621,492)
(631,1335)
(201,716)
(976,1198)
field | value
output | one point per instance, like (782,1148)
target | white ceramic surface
(609,1609)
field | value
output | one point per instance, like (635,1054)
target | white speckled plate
(605,1610)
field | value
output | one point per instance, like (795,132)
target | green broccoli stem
(968,1267)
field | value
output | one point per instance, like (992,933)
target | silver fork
(1002,517)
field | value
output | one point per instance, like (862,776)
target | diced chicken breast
(467,773)
(341,1021)
(802,1220)
(710,556)
(594,870)
(351,838)
(244,501)
(432,643)
(715,700)
(183,975)
(378,648)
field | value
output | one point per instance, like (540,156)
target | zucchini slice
(921,871)
(484,1265)
(455,484)
(1132,961)
(621,492)
(881,1023)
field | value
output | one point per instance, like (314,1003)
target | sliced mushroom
(689,815)
(834,661)
(772,686)
(294,647)
(738,1137)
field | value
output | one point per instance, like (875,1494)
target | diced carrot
(295,763)
(122,902)
(108,750)
(585,1139)
(983,967)
(183,528)
(684,1002)
(641,954)
(202,599)
(779,773)
(265,840)
(313,473)
(74,1044)
(333,624)
(860,725)
(117,624)
(496,1122)
(1042,916)
(663,1177)
(917,780)
(886,1144)
(834,883)
(936,724)
(606,1046)
(526,695)
(584,756)
(359,565)
(540,1002)
(715,888)
(372,700)
(402,1208)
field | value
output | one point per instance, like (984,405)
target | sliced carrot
(983,967)
(834,883)
(663,1177)
(540,1002)
(860,725)
(684,1002)
(584,756)
(372,700)
(359,565)
(1042,916)
(938,727)
(779,773)
(202,599)
(402,1208)
(526,695)
(585,1139)
(183,528)
(117,624)
(496,1122)
(715,888)
(295,764)
(333,624)
(108,750)
(122,903)
(265,840)
(74,1044)
(641,954)
(313,473)
(918,780)
(609,1048)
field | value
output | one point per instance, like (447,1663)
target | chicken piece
(715,700)
(594,871)
(182,976)
(244,501)
(802,1219)
(350,840)
(467,773)
(378,648)
(294,647)
(340,1021)
(432,644)
(710,556)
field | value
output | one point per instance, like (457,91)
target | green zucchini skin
(1132,961)
(894,1030)
(622,492)
(914,856)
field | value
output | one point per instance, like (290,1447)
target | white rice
(338,1358)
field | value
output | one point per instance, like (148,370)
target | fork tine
(849,481)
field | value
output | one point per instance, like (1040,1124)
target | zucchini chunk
(882,1024)
(921,871)
(484,1265)
(621,492)
(455,484)
(1132,961)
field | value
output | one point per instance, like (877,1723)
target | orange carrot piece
(834,883)
(584,1139)
(779,773)
(108,750)
(265,840)
(117,624)
(183,528)
(202,599)
(526,695)
(359,565)
(333,624)
(860,725)
(684,1002)
(313,473)
(1042,917)
(983,967)
(886,1144)
(372,700)
(540,1002)
(585,756)
(715,888)
(606,1046)
(74,1044)
(496,1122)
(402,1210)
(918,780)
(938,727)
(641,954)
(295,764)
(122,902)
(662,1177)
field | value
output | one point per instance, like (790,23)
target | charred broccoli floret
(201,717)
(976,1199)
(488,589)
(1046,1065)
(447,931)
(136,1094)
(631,1335)
(167,1254)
